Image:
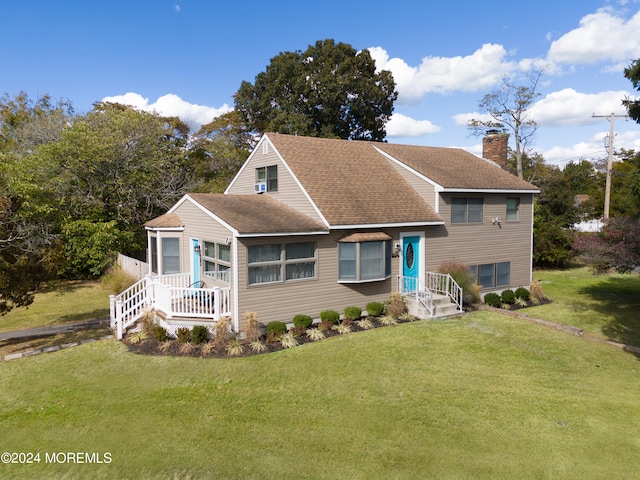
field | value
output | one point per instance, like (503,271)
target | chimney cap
(494,131)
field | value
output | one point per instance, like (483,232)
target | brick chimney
(495,147)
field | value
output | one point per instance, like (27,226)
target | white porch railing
(412,287)
(170,294)
(440,283)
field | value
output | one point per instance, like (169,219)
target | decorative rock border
(53,348)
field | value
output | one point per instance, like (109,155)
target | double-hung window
(466,210)
(513,209)
(281,262)
(269,176)
(364,261)
(170,256)
(217,261)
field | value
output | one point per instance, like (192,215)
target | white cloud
(403,126)
(568,107)
(601,37)
(476,72)
(171,105)
(462,119)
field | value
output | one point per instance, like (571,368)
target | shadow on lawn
(618,297)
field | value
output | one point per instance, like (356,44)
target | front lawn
(603,305)
(63,302)
(485,396)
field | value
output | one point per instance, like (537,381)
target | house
(312,224)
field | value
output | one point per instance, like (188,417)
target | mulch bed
(172,347)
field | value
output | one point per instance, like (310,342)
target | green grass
(604,305)
(485,396)
(67,302)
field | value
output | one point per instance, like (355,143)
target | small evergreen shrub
(375,309)
(523,293)
(492,299)
(508,296)
(277,327)
(183,334)
(159,333)
(199,334)
(302,321)
(352,313)
(330,316)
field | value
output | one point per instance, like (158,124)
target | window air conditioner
(260,187)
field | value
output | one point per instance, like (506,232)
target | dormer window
(268,176)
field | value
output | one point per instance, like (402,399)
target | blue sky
(188,58)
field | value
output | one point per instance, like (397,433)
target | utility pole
(607,188)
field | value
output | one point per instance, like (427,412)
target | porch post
(217,303)
(119,318)
(112,310)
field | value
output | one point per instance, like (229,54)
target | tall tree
(111,170)
(219,149)
(25,125)
(633,74)
(329,90)
(507,108)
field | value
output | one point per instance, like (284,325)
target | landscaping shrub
(352,313)
(492,299)
(397,305)
(251,327)
(277,327)
(302,321)
(199,334)
(222,332)
(183,334)
(536,292)
(159,333)
(474,293)
(523,293)
(461,274)
(375,309)
(508,296)
(330,316)
(117,280)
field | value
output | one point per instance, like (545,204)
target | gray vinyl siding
(482,243)
(282,301)
(289,192)
(201,226)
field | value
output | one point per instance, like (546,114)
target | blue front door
(195,268)
(411,262)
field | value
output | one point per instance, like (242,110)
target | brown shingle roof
(168,220)
(253,213)
(455,168)
(351,183)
